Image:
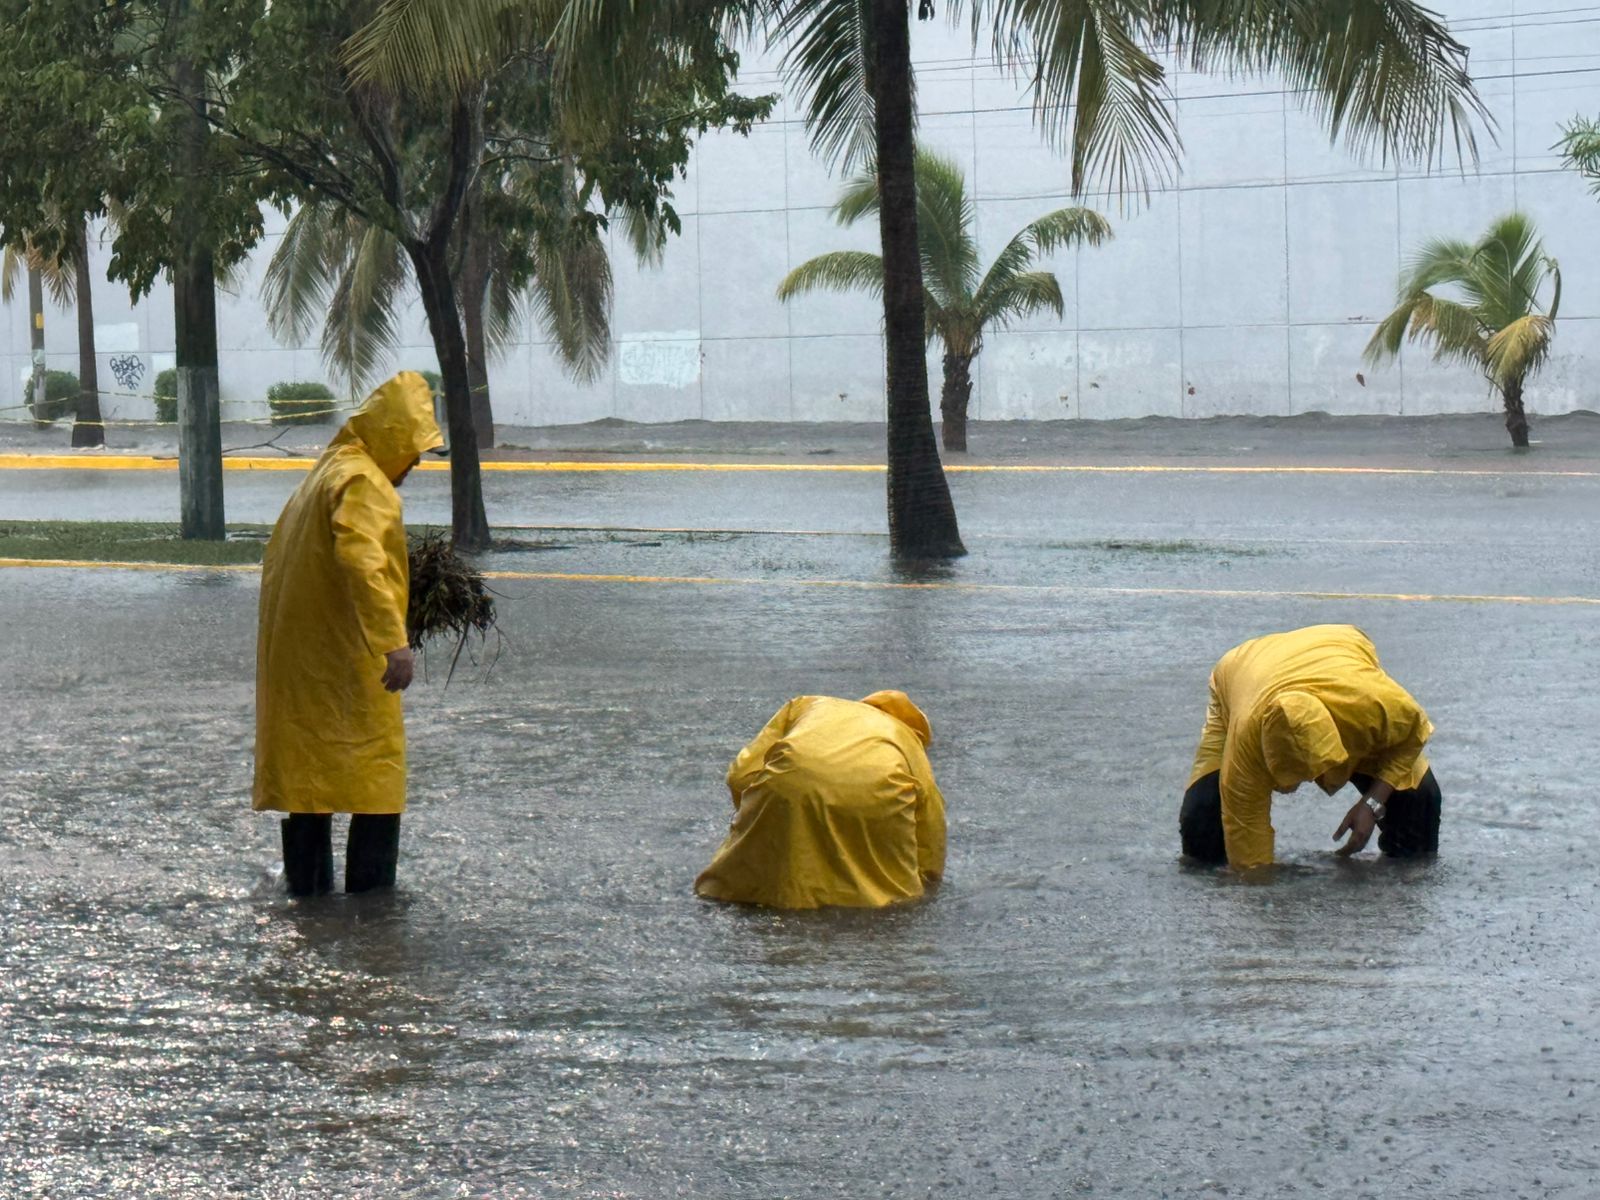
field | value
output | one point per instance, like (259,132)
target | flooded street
(543,1008)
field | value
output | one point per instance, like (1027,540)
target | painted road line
(875,584)
(130,462)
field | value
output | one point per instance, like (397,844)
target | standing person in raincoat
(834,803)
(1312,704)
(332,656)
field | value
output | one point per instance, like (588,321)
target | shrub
(300,403)
(166,395)
(60,397)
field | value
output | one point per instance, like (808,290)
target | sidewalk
(1476,441)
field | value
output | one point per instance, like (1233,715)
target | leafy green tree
(193,115)
(1383,74)
(1478,303)
(960,299)
(413,162)
(102,108)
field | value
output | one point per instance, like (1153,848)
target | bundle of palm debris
(449,598)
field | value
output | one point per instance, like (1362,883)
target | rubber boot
(308,853)
(372,851)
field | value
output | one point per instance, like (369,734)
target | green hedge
(166,395)
(61,392)
(300,403)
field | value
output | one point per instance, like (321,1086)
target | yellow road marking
(134,462)
(878,584)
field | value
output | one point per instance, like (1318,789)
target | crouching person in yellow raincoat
(834,803)
(332,655)
(1312,704)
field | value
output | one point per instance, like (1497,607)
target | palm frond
(571,296)
(1580,148)
(859,198)
(1453,330)
(945,221)
(1020,296)
(1520,349)
(1064,227)
(1382,75)
(830,56)
(1096,92)
(412,45)
(839,271)
(300,274)
(361,326)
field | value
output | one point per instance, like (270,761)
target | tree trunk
(194,301)
(474,293)
(87,427)
(953,400)
(1516,416)
(922,518)
(468,522)
(36,339)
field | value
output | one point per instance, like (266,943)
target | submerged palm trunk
(87,427)
(1516,415)
(953,400)
(468,521)
(922,518)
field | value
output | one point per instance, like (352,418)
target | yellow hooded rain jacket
(1288,708)
(834,804)
(329,738)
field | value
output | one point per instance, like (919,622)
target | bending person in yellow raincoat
(332,655)
(1312,704)
(834,803)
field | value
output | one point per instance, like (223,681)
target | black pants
(1409,827)
(370,857)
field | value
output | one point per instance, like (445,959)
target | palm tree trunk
(474,291)
(922,518)
(87,427)
(953,401)
(468,522)
(1516,416)
(36,339)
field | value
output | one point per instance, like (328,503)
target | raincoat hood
(1299,739)
(898,705)
(395,425)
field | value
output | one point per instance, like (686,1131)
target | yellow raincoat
(1288,708)
(834,803)
(329,738)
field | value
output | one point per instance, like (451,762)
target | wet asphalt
(544,1009)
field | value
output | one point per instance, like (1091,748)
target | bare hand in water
(1359,823)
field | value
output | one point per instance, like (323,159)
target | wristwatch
(1377,809)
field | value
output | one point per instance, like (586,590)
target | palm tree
(66,275)
(333,267)
(1384,74)
(1479,304)
(958,302)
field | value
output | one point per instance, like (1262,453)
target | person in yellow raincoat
(1311,704)
(332,655)
(834,804)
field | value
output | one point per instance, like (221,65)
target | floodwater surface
(544,1009)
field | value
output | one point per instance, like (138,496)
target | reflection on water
(544,1008)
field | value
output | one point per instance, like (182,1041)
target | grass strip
(128,541)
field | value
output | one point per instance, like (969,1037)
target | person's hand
(1359,822)
(401,667)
